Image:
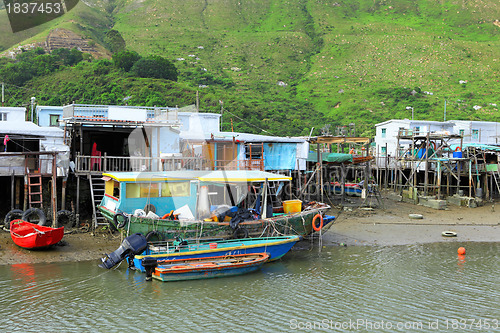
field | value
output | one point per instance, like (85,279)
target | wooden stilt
(12,190)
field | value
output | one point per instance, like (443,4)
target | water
(423,287)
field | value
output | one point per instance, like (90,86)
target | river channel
(417,288)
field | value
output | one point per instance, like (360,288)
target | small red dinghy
(34,236)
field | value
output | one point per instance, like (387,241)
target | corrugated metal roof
(244,137)
(476,145)
(29,128)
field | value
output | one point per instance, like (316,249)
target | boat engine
(150,265)
(132,245)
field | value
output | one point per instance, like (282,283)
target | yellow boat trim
(146,179)
(241,247)
(210,176)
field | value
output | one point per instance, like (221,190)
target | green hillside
(287,66)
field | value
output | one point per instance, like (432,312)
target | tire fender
(12,215)
(120,224)
(42,220)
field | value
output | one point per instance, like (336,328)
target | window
(416,130)
(383,151)
(175,189)
(155,190)
(475,134)
(461,132)
(54,120)
(3,116)
(384,132)
(112,188)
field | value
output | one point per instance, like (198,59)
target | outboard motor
(132,245)
(150,265)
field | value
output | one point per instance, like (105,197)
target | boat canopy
(242,176)
(205,176)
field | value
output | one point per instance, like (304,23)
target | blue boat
(276,247)
(207,268)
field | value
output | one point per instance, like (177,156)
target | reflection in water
(418,283)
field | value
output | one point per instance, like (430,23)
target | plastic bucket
(457,154)
(292,206)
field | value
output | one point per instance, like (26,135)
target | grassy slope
(370,48)
(82,19)
(347,60)
(429,45)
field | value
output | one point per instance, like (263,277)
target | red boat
(34,236)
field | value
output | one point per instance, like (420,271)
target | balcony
(100,164)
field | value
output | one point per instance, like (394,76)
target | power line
(12,96)
(246,122)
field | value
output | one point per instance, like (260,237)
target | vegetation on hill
(285,69)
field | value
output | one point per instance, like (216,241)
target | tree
(155,67)
(115,41)
(125,59)
(68,57)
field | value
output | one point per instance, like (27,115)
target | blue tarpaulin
(280,156)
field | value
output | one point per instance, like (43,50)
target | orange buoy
(461,251)
(458,149)
(315,227)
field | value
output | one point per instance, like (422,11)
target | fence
(139,163)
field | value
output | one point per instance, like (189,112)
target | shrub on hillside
(155,67)
(125,59)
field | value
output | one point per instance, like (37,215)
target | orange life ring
(164,217)
(433,145)
(458,149)
(320,222)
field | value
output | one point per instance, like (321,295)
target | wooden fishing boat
(351,189)
(33,236)
(276,247)
(209,267)
(143,202)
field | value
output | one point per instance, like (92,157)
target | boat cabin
(194,194)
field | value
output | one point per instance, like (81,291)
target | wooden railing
(239,165)
(21,163)
(139,163)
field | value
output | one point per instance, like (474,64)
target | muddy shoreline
(75,247)
(353,226)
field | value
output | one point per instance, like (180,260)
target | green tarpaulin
(330,157)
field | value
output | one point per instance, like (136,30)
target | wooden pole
(426,174)
(63,193)
(448,184)
(77,214)
(54,191)
(470,178)
(12,190)
(342,183)
(18,192)
(439,180)
(387,165)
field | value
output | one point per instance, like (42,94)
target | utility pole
(3,93)
(221,113)
(32,107)
(197,101)
(445,110)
